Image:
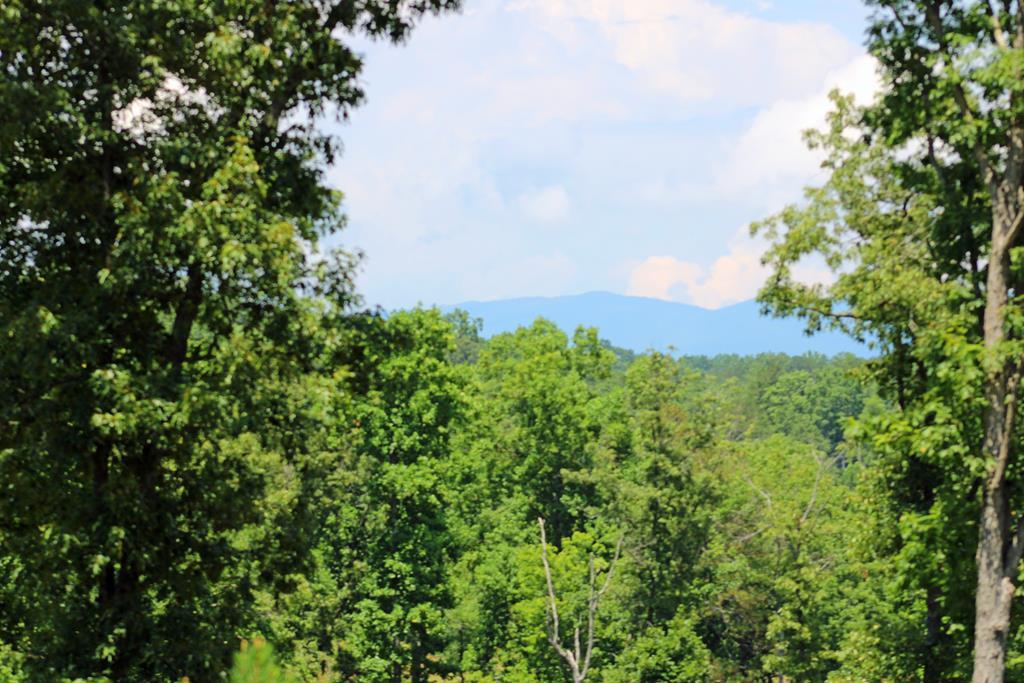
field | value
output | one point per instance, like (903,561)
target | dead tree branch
(578,658)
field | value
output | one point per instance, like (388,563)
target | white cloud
(732,278)
(681,117)
(770,157)
(547,205)
(657,276)
(697,51)
(767,163)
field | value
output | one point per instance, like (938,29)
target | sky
(552,147)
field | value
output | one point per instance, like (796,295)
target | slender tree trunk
(998,553)
(418,672)
(933,640)
(396,666)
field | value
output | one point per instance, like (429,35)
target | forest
(217,463)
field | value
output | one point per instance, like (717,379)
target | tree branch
(578,654)
(1020,24)
(997,27)
(760,491)
(1013,231)
(553,628)
(1013,555)
(185,317)
(959,94)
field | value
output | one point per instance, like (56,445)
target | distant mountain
(640,324)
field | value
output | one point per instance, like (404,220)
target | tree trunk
(933,639)
(994,594)
(396,666)
(998,552)
(418,672)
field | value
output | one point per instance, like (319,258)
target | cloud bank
(558,146)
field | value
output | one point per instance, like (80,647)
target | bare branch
(761,492)
(611,567)
(571,658)
(577,655)
(1016,550)
(835,315)
(752,534)
(1020,24)
(552,606)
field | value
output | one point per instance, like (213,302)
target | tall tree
(168,340)
(951,121)
(397,515)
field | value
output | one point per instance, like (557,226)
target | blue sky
(548,147)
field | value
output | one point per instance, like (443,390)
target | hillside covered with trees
(216,463)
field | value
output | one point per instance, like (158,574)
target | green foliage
(201,438)
(172,352)
(11,665)
(912,219)
(412,402)
(669,653)
(812,407)
(709,577)
(255,664)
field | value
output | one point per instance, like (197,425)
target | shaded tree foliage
(169,343)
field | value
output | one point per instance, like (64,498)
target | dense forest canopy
(216,464)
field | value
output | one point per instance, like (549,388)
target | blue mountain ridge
(640,324)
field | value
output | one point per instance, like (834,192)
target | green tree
(776,559)
(577,653)
(397,532)
(11,665)
(467,336)
(925,243)
(892,289)
(655,428)
(653,489)
(532,391)
(710,582)
(527,433)
(169,343)
(812,406)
